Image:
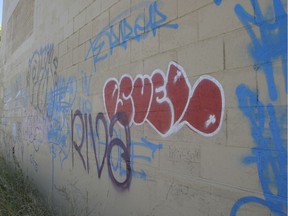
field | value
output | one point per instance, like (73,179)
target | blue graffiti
(60,100)
(142,27)
(272,43)
(268,123)
(61,96)
(218,2)
(84,103)
(268,129)
(58,133)
(143,143)
(86,83)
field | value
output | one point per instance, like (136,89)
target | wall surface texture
(145,107)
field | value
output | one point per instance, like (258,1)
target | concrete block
(85,33)
(238,125)
(182,158)
(79,20)
(231,79)
(93,10)
(99,23)
(74,9)
(120,56)
(186,33)
(169,8)
(203,57)
(73,41)
(215,167)
(187,6)
(136,50)
(222,19)
(63,18)
(236,49)
(191,174)
(63,48)
(78,54)
(67,60)
(59,36)
(68,29)
(160,61)
(150,46)
(105,4)
(120,8)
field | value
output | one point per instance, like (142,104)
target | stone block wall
(143,107)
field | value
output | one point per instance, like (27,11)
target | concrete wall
(139,107)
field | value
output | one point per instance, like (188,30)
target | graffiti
(270,46)
(110,143)
(268,123)
(21,98)
(41,75)
(14,95)
(155,99)
(7,97)
(120,153)
(61,96)
(218,2)
(270,153)
(34,129)
(84,103)
(60,100)
(150,24)
(142,144)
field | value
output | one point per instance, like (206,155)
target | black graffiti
(99,117)
(121,117)
(110,142)
(42,73)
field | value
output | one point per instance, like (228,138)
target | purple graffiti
(110,142)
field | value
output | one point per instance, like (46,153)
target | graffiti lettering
(34,130)
(83,100)
(155,21)
(41,74)
(270,46)
(157,100)
(268,123)
(110,143)
(270,153)
(60,100)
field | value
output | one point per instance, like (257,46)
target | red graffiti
(169,102)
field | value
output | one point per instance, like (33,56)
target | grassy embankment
(17,194)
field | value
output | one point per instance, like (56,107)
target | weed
(17,194)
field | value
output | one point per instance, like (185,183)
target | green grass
(17,194)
